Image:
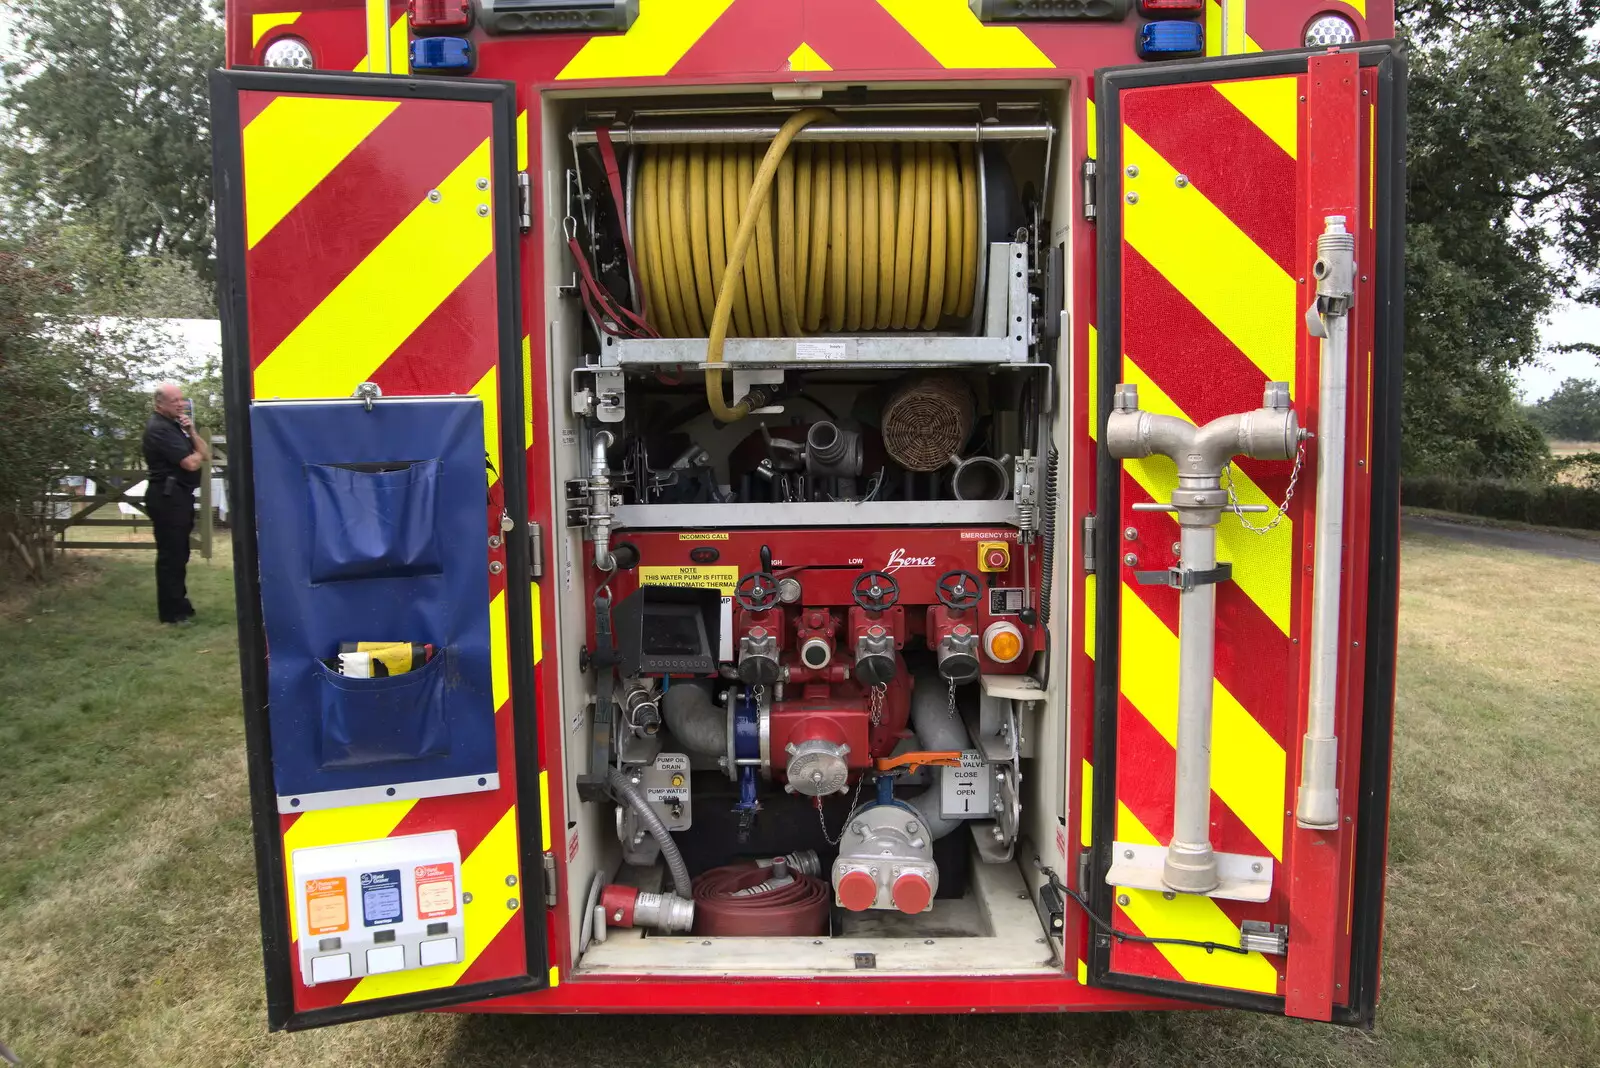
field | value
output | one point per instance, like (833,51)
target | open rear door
(1216,180)
(368,232)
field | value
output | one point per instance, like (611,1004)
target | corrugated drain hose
(625,790)
(853,238)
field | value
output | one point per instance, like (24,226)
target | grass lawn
(128,929)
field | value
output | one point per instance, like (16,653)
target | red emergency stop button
(858,891)
(993,556)
(912,893)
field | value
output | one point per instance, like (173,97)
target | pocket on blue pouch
(366,722)
(373,521)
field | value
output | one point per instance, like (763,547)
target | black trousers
(172,516)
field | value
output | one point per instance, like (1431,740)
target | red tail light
(440,14)
(1152,9)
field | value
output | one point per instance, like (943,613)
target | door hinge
(1091,206)
(550,880)
(1263,937)
(524,201)
(535,551)
(1089,525)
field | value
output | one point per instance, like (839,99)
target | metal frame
(1383,533)
(272,891)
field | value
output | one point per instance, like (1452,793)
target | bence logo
(898,559)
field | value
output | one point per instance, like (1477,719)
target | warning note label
(701,578)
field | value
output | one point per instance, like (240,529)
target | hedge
(1551,505)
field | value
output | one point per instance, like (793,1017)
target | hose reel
(850,237)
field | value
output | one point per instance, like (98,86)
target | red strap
(608,156)
(607,314)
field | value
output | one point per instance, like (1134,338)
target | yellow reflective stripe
(659,37)
(538,626)
(1094,383)
(499,672)
(1233,28)
(1091,126)
(545,837)
(1210,261)
(522,149)
(293,144)
(377,36)
(555,977)
(1213,28)
(1083,974)
(805,58)
(1196,917)
(1273,104)
(1248,766)
(1088,615)
(487,389)
(400,47)
(388,295)
(260,24)
(483,875)
(1086,801)
(957,40)
(335,826)
(1263,564)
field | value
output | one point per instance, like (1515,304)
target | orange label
(327,906)
(436,891)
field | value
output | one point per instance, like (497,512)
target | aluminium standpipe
(1317,804)
(1269,433)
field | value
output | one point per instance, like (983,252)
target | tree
(1502,201)
(108,122)
(1572,412)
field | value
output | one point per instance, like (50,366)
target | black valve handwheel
(875,590)
(757,591)
(959,590)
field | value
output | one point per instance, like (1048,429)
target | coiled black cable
(1047,522)
(1123,936)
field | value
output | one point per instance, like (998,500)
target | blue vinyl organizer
(371,525)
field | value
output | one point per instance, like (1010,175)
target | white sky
(1568,324)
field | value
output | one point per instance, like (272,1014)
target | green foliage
(1577,469)
(1572,412)
(1503,187)
(107,120)
(1547,504)
(74,390)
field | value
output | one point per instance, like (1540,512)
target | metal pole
(679,135)
(1317,805)
(1191,865)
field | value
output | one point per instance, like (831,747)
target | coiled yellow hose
(840,237)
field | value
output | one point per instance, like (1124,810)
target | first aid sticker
(436,891)
(327,905)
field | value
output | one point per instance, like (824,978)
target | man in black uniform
(174,453)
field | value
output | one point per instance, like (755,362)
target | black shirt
(166,446)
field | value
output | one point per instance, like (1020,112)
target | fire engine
(828,506)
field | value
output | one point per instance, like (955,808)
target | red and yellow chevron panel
(1210,312)
(370,257)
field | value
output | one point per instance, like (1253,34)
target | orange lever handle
(913,761)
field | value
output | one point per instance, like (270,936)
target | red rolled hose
(799,907)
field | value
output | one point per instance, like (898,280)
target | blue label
(380,897)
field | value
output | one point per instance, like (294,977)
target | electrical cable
(828,237)
(1123,936)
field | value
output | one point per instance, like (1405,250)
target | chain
(875,702)
(757,692)
(1288,494)
(950,704)
(833,839)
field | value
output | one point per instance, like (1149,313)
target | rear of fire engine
(814,505)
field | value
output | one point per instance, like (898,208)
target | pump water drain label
(436,891)
(702,578)
(380,897)
(964,791)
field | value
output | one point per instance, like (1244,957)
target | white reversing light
(1330,30)
(287,52)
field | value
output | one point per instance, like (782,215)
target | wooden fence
(65,510)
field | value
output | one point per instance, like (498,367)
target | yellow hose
(842,237)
